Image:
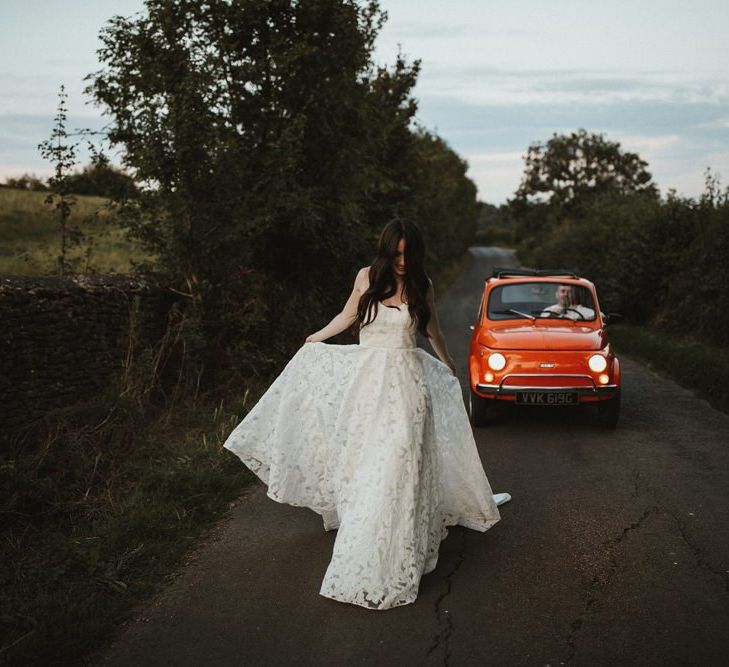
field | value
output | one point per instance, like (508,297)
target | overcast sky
(496,76)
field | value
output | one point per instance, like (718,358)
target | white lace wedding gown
(375,438)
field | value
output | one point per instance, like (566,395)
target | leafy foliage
(270,151)
(26,182)
(101,179)
(567,174)
(570,169)
(657,261)
(495,225)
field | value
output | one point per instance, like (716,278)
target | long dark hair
(383,284)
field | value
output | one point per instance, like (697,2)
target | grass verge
(96,515)
(693,364)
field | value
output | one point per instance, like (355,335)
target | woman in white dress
(375,436)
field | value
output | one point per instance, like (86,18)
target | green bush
(270,151)
(656,261)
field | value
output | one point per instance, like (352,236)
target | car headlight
(496,361)
(597,363)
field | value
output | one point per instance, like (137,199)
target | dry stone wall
(62,339)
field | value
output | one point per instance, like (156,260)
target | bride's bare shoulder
(362,281)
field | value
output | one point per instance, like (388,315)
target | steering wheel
(574,310)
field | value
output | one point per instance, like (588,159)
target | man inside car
(566,306)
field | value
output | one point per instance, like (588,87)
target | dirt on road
(613,551)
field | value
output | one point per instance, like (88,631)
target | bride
(374,437)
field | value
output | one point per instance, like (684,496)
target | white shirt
(587,313)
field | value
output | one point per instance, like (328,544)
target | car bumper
(588,391)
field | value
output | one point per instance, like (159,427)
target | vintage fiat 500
(539,339)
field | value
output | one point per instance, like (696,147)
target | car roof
(501,276)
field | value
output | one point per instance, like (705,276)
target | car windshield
(539,300)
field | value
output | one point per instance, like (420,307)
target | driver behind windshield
(566,305)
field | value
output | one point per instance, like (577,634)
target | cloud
(715,124)
(496,183)
(496,173)
(420,31)
(677,140)
(648,144)
(20,135)
(496,157)
(563,87)
(407,31)
(16,170)
(38,94)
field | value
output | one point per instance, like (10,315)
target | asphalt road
(613,551)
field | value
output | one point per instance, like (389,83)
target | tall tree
(570,170)
(566,175)
(259,131)
(253,123)
(446,201)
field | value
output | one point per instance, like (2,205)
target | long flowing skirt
(378,442)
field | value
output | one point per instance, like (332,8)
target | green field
(30,236)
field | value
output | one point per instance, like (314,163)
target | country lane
(613,551)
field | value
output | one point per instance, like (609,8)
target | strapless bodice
(392,328)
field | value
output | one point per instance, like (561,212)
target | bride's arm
(435,335)
(346,318)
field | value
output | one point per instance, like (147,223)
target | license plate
(547,397)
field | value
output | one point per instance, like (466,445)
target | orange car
(539,339)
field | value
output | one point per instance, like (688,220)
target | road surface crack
(696,551)
(602,580)
(445,621)
(722,574)
(636,483)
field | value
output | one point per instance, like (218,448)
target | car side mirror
(612,317)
